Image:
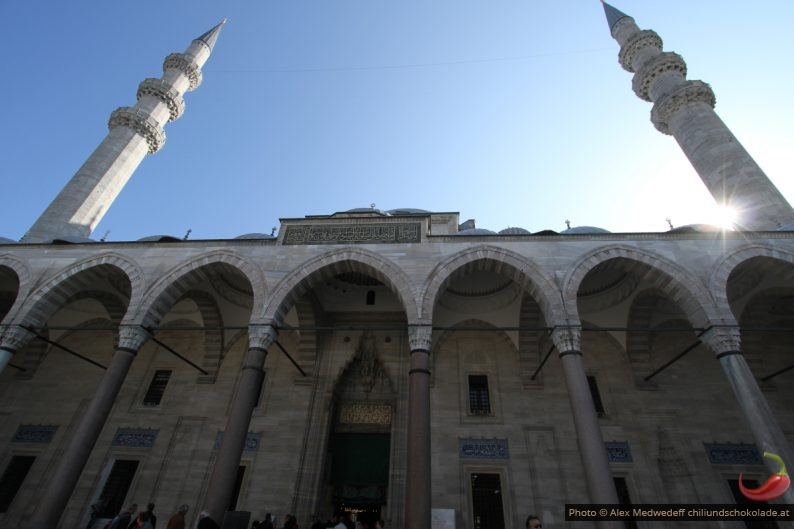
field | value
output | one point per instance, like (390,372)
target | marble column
(13,339)
(224,473)
(417,478)
(592,449)
(768,436)
(63,479)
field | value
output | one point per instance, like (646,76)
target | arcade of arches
(471,379)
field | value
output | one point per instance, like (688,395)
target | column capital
(132,337)
(567,339)
(723,340)
(420,337)
(261,336)
(14,338)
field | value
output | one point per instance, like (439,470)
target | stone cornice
(165,93)
(141,123)
(181,62)
(688,93)
(640,40)
(659,65)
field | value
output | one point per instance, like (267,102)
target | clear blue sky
(514,113)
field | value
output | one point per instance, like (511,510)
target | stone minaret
(685,109)
(134,132)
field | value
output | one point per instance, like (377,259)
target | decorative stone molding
(640,40)
(15,338)
(661,64)
(34,433)
(140,122)
(688,93)
(483,449)
(261,336)
(723,339)
(132,337)
(165,93)
(135,437)
(180,61)
(733,454)
(567,339)
(420,337)
(618,452)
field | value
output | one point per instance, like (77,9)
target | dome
(71,240)
(786,227)
(367,210)
(255,236)
(514,231)
(5,240)
(408,211)
(159,238)
(546,232)
(476,231)
(696,228)
(583,230)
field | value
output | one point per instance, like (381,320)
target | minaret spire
(685,110)
(613,15)
(134,132)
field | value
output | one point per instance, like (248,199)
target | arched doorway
(359,444)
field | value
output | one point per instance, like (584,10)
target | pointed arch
(181,279)
(721,272)
(82,276)
(20,270)
(527,274)
(308,274)
(676,282)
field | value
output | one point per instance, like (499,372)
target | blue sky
(514,113)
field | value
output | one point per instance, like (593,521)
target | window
(479,402)
(12,479)
(741,500)
(486,499)
(622,488)
(599,405)
(156,389)
(117,485)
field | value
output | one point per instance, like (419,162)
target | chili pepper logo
(774,487)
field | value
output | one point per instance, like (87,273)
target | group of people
(130,518)
(340,520)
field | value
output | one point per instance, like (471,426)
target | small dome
(407,211)
(514,231)
(786,227)
(159,238)
(71,240)
(696,228)
(256,236)
(546,232)
(5,240)
(583,230)
(476,231)
(367,210)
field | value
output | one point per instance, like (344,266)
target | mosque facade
(400,364)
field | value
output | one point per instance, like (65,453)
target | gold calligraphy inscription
(359,413)
(376,233)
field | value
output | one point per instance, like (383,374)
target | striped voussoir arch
(527,274)
(312,272)
(675,282)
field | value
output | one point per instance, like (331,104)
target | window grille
(479,401)
(156,389)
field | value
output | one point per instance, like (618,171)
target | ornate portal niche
(364,393)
